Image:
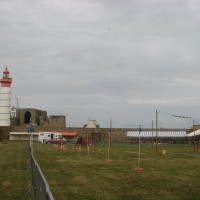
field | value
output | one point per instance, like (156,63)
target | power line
(177,116)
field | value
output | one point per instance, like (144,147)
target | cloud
(106,59)
(160,101)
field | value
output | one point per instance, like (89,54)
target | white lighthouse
(5,97)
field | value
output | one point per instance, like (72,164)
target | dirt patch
(61,160)
(7,184)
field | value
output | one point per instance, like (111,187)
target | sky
(118,60)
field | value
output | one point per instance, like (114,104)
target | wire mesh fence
(40,186)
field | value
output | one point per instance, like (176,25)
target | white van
(51,137)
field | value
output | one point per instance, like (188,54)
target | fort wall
(99,134)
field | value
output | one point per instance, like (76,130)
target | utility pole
(138,168)
(109,142)
(194,131)
(156,131)
(152,136)
(195,143)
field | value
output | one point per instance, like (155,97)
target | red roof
(69,134)
(6,71)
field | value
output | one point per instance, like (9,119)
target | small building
(91,124)
(92,128)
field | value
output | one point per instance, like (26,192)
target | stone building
(92,128)
(91,124)
(25,116)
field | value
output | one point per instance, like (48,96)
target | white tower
(5,97)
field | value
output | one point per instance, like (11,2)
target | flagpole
(156,131)
(152,135)
(109,143)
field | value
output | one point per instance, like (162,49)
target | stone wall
(100,134)
(57,121)
(4,132)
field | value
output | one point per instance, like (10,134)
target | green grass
(14,171)
(73,174)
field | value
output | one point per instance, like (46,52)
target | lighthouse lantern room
(5,97)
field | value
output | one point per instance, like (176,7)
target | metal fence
(39,184)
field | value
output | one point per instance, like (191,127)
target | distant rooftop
(91,124)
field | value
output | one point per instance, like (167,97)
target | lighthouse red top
(6,80)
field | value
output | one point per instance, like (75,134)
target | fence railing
(39,184)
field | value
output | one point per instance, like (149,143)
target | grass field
(14,173)
(75,174)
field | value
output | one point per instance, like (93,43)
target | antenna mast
(17,99)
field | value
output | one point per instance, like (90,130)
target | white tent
(197,132)
(159,133)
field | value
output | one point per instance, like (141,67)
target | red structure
(6,80)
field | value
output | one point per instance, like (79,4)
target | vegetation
(14,173)
(79,174)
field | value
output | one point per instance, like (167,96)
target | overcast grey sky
(104,59)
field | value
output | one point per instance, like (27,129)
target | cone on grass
(63,147)
(109,161)
(138,168)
